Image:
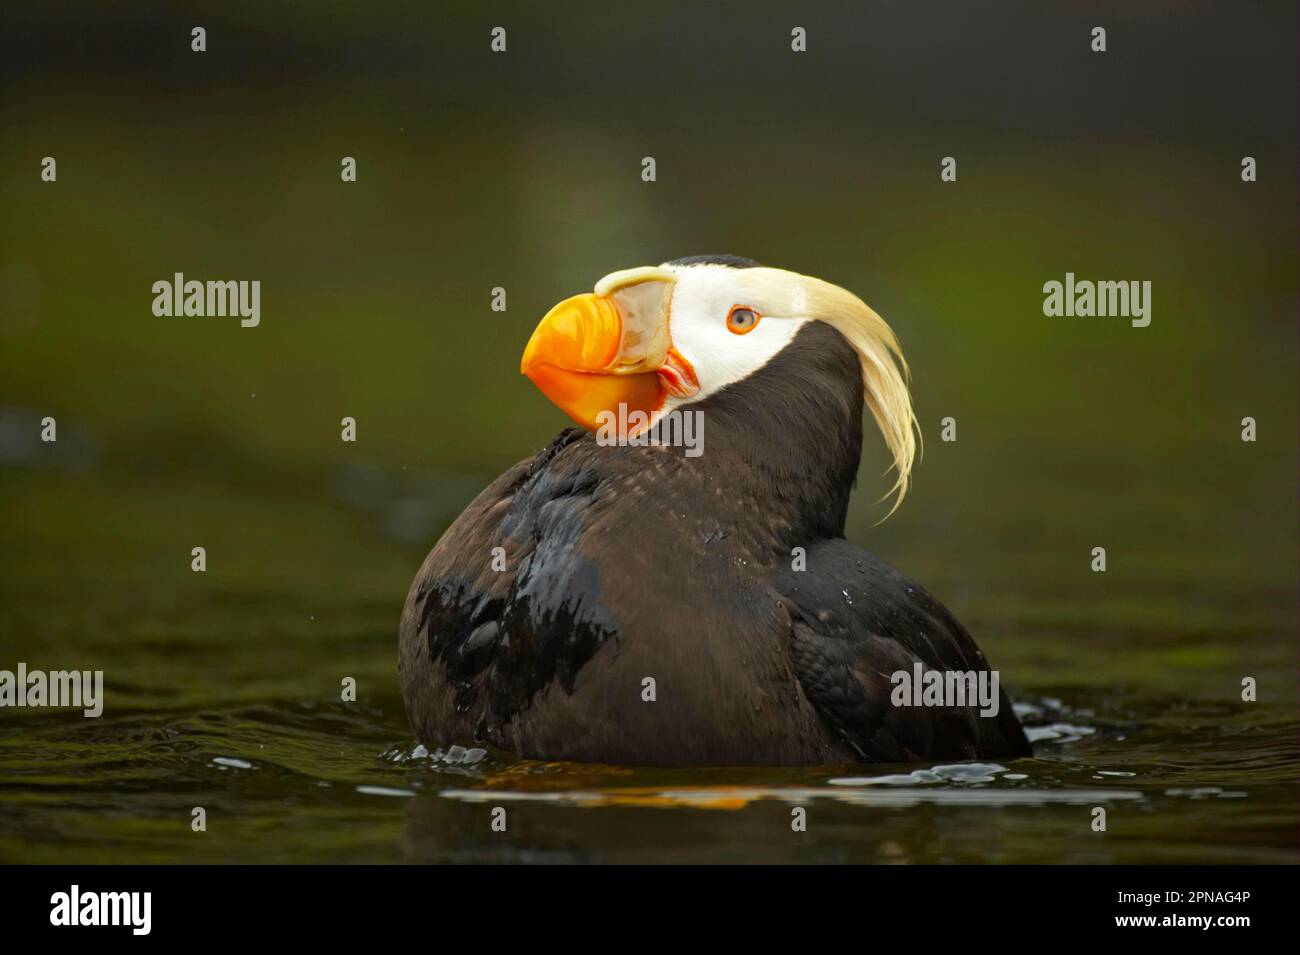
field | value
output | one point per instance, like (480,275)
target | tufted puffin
(621,600)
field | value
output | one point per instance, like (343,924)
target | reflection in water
(1037,809)
(311,782)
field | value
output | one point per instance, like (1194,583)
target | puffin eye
(741,320)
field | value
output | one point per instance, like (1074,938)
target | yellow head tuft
(884,370)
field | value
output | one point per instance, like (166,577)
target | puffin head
(657,338)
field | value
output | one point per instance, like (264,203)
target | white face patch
(702,298)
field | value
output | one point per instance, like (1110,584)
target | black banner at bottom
(334,904)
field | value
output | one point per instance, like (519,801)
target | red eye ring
(742,320)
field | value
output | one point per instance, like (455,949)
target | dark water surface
(331,783)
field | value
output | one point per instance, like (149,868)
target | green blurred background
(522,170)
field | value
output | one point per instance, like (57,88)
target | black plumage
(623,563)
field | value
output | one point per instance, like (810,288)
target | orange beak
(601,357)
